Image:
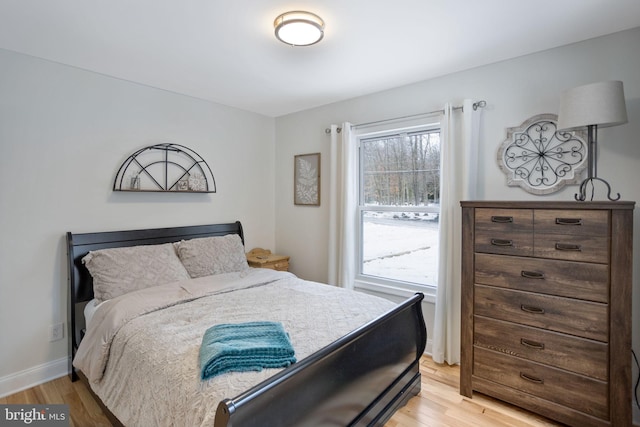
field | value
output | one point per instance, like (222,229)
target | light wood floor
(438,405)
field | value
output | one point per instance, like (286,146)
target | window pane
(401,170)
(400,246)
(399,202)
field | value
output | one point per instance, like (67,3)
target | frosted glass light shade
(600,104)
(299,28)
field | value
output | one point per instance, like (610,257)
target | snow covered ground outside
(403,248)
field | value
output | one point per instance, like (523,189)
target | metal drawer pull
(530,309)
(569,221)
(568,247)
(502,219)
(532,274)
(531,344)
(530,378)
(501,242)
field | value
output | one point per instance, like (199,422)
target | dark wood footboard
(359,380)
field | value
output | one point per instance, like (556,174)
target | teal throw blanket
(249,346)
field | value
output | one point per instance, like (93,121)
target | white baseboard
(32,377)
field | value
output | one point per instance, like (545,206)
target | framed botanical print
(306,179)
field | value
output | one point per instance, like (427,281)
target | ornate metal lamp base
(583,189)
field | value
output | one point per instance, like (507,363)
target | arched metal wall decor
(165,167)
(541,159)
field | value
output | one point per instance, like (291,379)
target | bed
(358,376)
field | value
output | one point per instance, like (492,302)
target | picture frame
(183,185)
(306,179)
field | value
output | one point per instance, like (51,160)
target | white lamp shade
(600,104)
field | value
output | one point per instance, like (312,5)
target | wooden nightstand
(263,258)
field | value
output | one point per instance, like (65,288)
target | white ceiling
(224,50)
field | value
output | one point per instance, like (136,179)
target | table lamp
(592,106)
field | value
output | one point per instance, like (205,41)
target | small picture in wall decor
(183,185)
(306,179)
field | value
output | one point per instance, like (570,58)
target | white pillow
(90,310)
(212,255)
(117,271)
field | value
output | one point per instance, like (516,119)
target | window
(398,210)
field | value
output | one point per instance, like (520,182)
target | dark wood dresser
(546,307)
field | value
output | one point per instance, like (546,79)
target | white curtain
(458,178)
(343,199)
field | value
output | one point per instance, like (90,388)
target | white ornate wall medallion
(540,159)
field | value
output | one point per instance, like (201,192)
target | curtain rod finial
(479,104)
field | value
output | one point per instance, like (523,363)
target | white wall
(514,90)
(63,134)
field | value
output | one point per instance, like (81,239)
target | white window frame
(379,284)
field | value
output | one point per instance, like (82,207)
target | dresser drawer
(504,231)
(573,248)
(571,222)
(580,318)
(575,391)
(563,278)
(573,354)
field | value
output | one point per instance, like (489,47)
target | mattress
(144,365)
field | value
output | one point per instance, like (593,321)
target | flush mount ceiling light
(299,28)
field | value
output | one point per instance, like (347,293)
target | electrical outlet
(56,331)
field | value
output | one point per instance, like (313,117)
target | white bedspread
(141,353)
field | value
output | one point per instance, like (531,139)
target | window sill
(395,290)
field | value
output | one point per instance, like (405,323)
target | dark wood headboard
(80,281)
